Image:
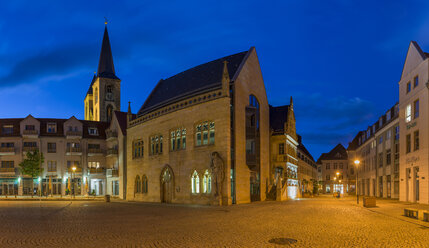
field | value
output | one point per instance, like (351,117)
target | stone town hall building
(202,136)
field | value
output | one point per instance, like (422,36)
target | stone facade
(334,172)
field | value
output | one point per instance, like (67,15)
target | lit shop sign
(411,125)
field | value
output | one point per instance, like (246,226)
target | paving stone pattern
(317,222)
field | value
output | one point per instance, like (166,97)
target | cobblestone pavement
(316,222)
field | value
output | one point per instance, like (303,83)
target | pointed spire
(225,71)
(129,108)
(105,64)
(291,103)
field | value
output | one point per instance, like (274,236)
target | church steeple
(106,68)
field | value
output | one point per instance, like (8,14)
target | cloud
(51,64)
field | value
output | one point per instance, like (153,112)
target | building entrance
(167,186)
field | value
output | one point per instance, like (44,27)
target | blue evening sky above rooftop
(341,60)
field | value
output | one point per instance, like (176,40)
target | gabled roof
(278,118)
(122,120)
(106,68)
(415,56)
(338,153)
(303,149)
(197,80)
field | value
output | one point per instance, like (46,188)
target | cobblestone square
(315,222)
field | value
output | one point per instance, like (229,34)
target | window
(51,127)
(178,139)
(155,145)
(397,133)
(30,127)
(388,116)
(205,133)
(408,113)
(73,145)
(8,144)
(328,178)
(52,147)
(109,112)
(396,151)
(380,141)
(52,166)
(335,166)
(341,166)
(416,140)
(328,166)
(416,81)
(7,164)
(408,143)
(7,129)
(281,148)
(71,164)
(92,131)
(109,92)
(388,157)
(380,122)
(144,184)
(380,159)
(138,149)
(95,165)
(388,134)
(138,185)
(195,183)
(30,144)
(368,133)
(416,108)
(207,183)
(96,95)
(408,87)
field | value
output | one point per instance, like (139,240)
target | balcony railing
(112,151)
(30,132)
(112,172)
(78,170)
(94,151)
(7,170)
(111,135)
(74,151)
(74,134)
(7,150)
(29,148)
(96,171)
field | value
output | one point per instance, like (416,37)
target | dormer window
(93,131)
(388,116)
(30,127)
(51,127)
(7,129)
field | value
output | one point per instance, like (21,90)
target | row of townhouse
(394,151)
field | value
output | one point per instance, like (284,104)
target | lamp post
(74,190)
(357,195)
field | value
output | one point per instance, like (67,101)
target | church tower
(104,93)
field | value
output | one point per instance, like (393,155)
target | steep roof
(122,120)
(278,118)
(106,68)
(197,80)
(303,149)
(89,92)
(338,153)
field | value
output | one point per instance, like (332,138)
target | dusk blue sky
(340,60)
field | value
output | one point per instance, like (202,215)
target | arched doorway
(167,184)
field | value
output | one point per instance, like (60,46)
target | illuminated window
(52,166)
(205,133)
(195,183)
(155,145)
(207,183)
(138,148)
(92,131)
(408,113)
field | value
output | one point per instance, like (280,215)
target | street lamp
(74,190)
(357,162)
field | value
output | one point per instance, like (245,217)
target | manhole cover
(282,241)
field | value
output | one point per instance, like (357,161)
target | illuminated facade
(202,136)
(334,173)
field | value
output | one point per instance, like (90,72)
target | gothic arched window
(138,185)
(195,184)
(109,92)
(144,184)
(207,182)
